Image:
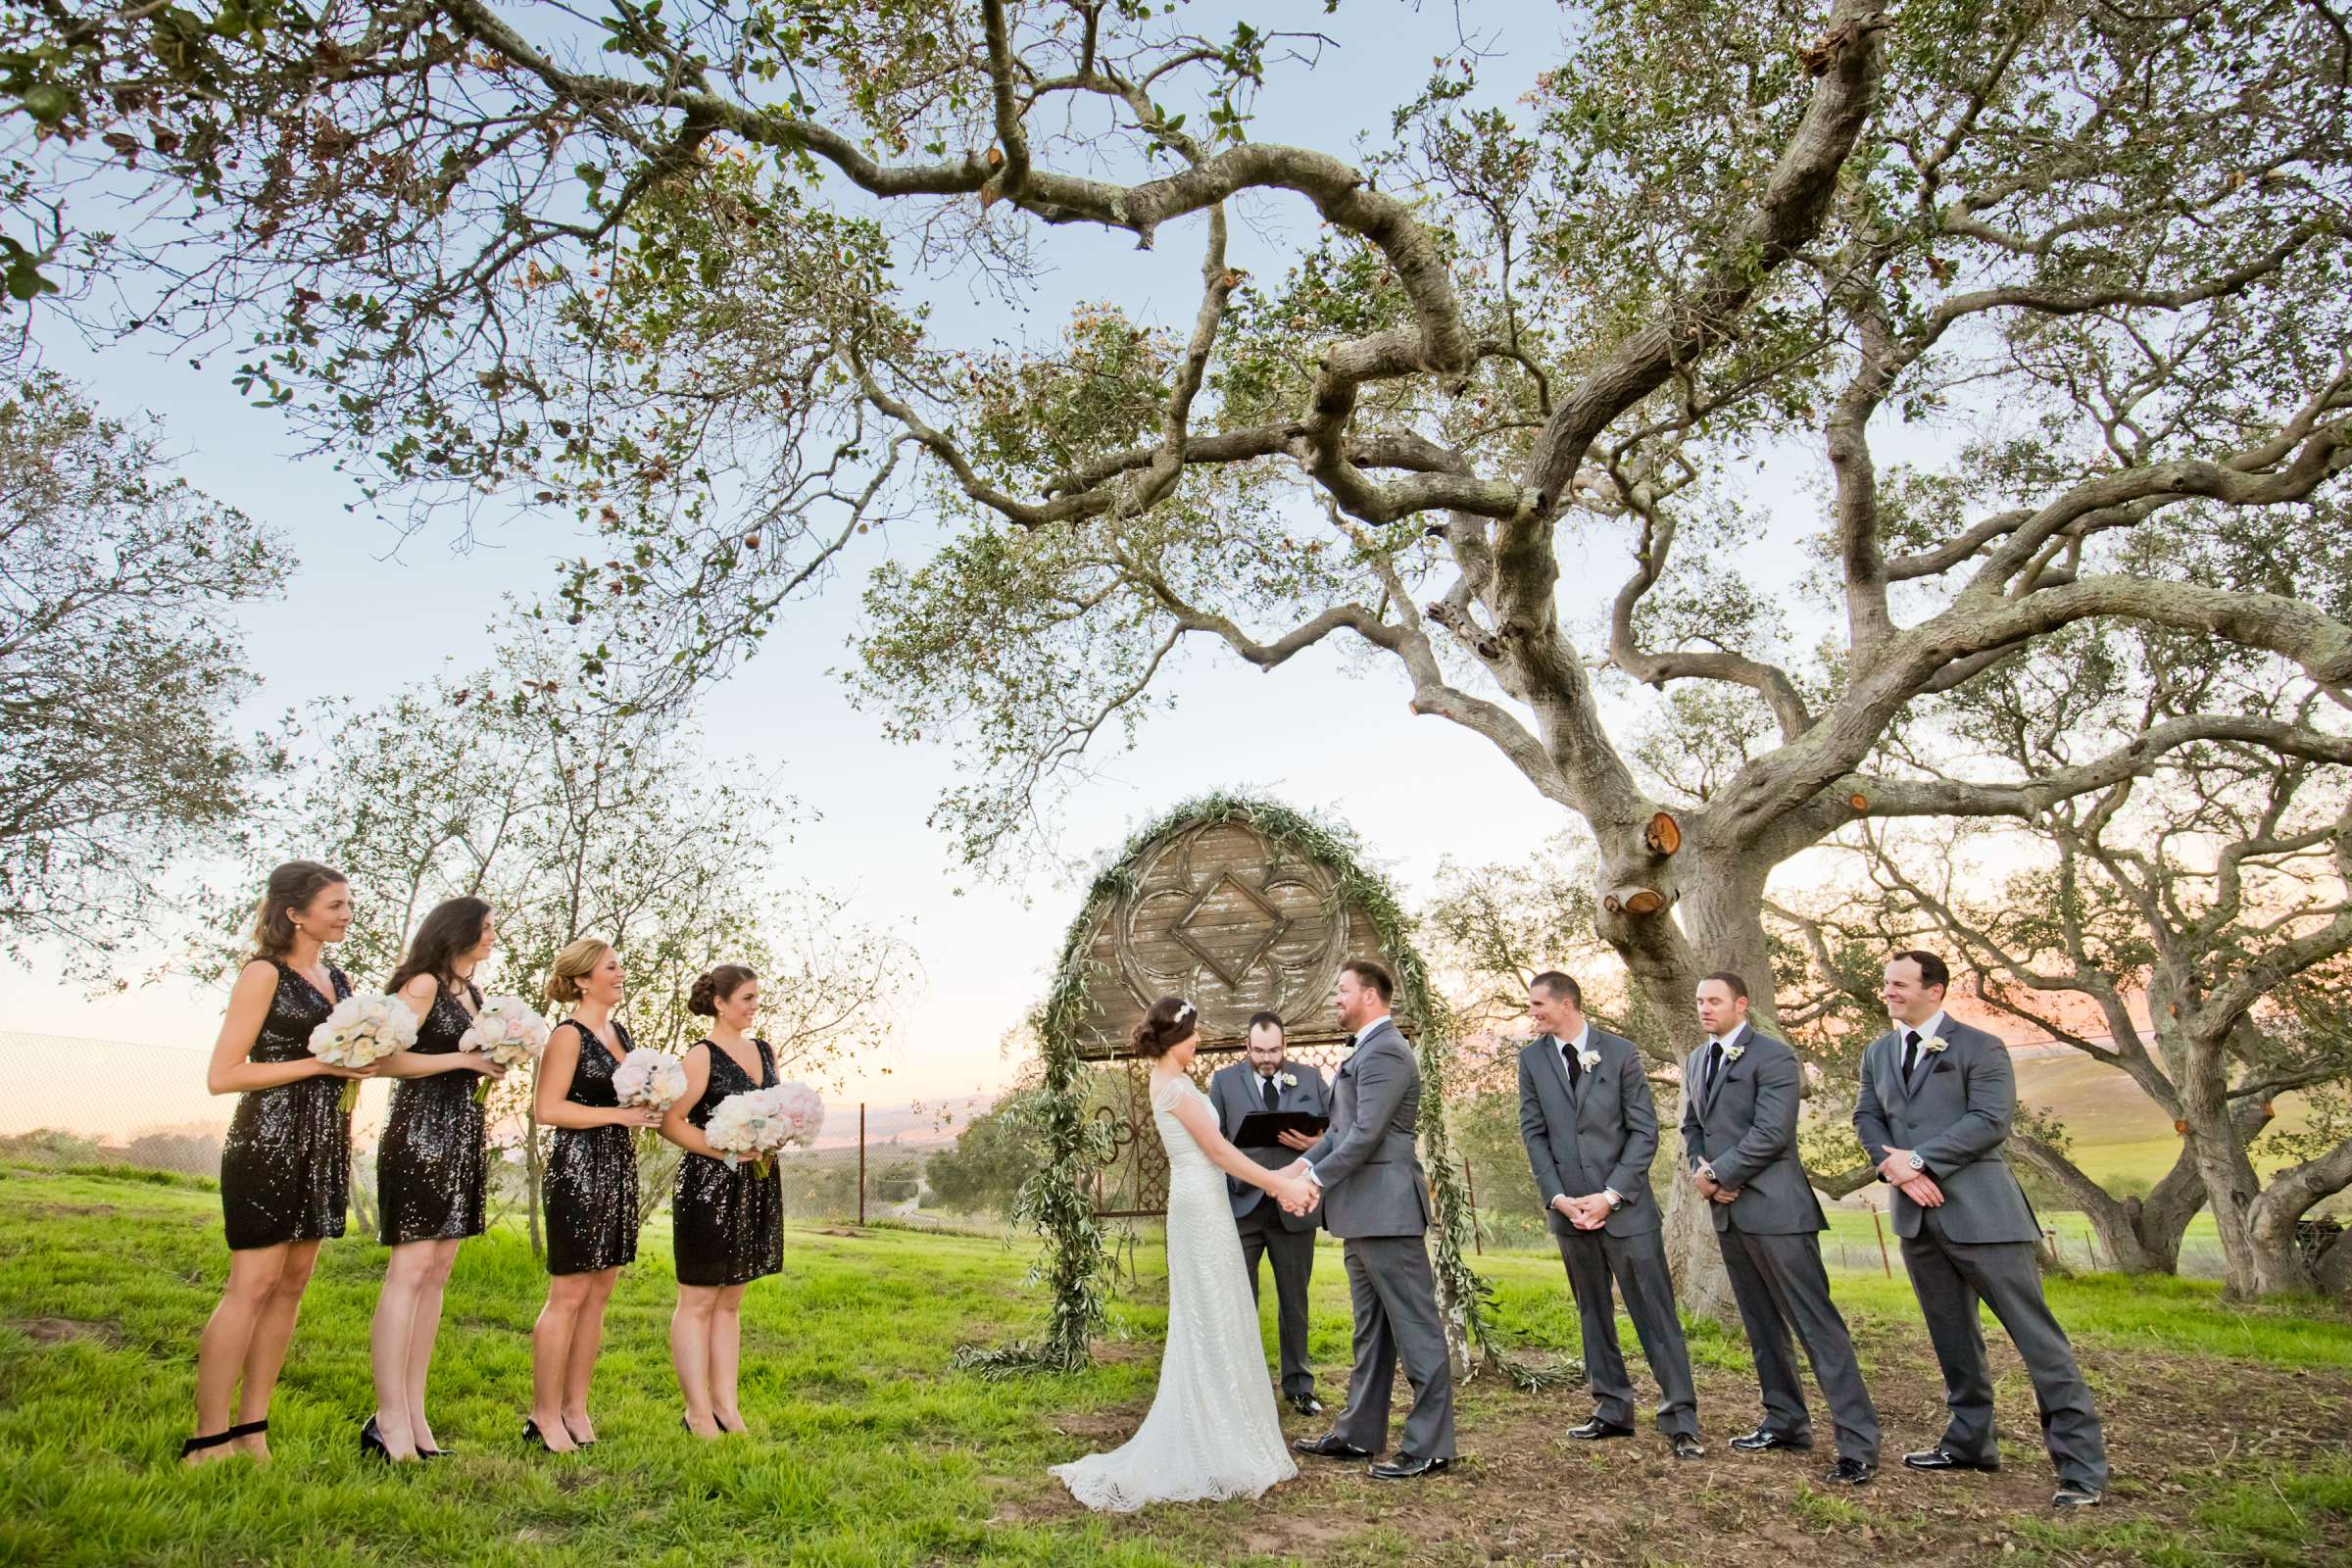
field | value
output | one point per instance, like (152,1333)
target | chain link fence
(70,1102)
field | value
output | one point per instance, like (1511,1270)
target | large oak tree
(2009,279)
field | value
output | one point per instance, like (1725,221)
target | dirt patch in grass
(60,1330)
(2177,1429)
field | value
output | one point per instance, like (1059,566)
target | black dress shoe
(372,1442)
(1764,1437)
(1687,1447)
(1404,1467)
(1329,1446)
(532,1434)
(2072,1496)
(1849,1473)
(1306,1403)
(1594,1430)
(1946,1459)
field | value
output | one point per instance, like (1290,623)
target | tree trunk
(2135,1234)
(1719,924)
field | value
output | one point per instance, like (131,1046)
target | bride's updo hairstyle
(1171,1021)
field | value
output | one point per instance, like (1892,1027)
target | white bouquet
(364,1029)
(653,1079)
(756,1122)
(507,1032)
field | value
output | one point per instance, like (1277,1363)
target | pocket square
(1941,1066)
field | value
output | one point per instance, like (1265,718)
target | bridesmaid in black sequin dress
(433,1169)
(285,1165)
(728,1225)
(589,1194)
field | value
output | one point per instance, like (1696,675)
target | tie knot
(1910,1036)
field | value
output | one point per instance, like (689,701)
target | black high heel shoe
(532,1434)
(372,1442)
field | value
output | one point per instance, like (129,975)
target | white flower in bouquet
(507,1032)
(653,1079)
(364,1029)
(748,1125)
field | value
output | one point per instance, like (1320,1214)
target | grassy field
(868,1448)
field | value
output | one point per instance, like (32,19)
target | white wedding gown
(1213,1431)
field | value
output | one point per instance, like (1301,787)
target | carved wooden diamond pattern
(1251,939)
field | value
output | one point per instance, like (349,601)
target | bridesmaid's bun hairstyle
(1171,1021)
(715,986)
(291,887)
(574,965)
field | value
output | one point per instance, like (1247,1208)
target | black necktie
(1272,1093)
(1910,1050)
(1714,1063)
(1576,1067)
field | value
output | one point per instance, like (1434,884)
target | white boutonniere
(1733,1054)
(1290,1080)
(1934,1044)
(1587,1059)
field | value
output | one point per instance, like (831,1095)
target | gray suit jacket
(1368,1164)
(1746,1128)
(1954,1113)
(1233,1090)
(1604,1135)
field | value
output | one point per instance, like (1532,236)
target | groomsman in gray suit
(1934,1110)
(1376,1200)
(1592,1130)
(1262,1081)
(1740,1105)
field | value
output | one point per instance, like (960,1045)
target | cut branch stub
(1663,835)
(1633,901)
(1858,801)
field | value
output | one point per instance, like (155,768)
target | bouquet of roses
(653,1079)
(507,1032)
(364,1029)
(756,1122)
(798,1105)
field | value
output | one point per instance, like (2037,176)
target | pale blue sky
(1326,732)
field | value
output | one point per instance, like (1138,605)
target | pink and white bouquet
(507,1032)
(653,1079)
(364,1029)
(755,1123)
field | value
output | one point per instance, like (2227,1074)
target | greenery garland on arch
(1056,1199)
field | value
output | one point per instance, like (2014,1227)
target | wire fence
(66,1100)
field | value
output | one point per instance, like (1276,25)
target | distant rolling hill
(2115,1129)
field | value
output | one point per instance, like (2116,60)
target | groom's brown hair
(1373,975)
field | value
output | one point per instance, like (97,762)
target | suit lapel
(1559,1068)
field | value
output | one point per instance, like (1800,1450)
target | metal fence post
(862,1164)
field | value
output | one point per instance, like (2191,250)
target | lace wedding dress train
(1213,1431)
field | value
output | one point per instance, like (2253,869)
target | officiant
(1263,1083)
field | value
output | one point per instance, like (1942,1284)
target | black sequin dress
(285,1165)
(591,1188)
(433,1169)
(728,1225)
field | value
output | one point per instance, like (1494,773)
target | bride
(1213,1431)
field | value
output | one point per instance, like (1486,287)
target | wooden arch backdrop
(1240,905)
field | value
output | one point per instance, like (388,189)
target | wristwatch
(1913,1160)
(1615,1202)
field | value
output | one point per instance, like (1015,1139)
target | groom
(1376,1200)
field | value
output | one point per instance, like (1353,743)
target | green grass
(867,1450)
